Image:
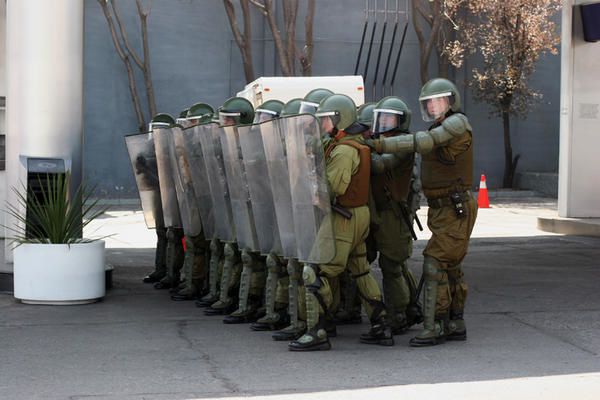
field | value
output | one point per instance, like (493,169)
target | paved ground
(533,319)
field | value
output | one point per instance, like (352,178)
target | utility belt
(455,200)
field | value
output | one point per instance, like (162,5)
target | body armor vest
(440,176)
(357,193)
(396,182)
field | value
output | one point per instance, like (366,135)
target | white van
(287,88)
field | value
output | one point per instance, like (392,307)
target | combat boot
(154,277)
(272,322)
(380,333)
(207,300)
(434,325)
(291,332)
(432,336)
(457,330)
(160,263)
(314,339)
(246,315)
(398,324)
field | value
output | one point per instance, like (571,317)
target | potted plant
(53,264)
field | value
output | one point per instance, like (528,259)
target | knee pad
(390,268)
(247,258)
(229,250)
(215,247)
(311,278)
(432,270)
(455,273)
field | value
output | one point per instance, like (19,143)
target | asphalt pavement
(533,318)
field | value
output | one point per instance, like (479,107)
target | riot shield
(245,228)
(199,175)
(259,187)
(143,161)
(217,181)
(182,176)
(168,195)
(279,180)
(309,192)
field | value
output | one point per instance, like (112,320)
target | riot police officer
(347,170)
(447,176)
(391,219)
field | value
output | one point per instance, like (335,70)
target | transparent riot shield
(168,195)
(245,228)
(143,161)
(279,180)
(199,175)
(259,186)
(309,192)
(217,181)
(182,176)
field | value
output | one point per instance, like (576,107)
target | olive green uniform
(350,250)
(392,237)
(446,170)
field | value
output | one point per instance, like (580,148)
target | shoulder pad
(456,124)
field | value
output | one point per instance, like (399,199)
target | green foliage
(54,217)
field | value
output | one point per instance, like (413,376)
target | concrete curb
(570,226)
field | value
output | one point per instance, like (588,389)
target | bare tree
(285,43)
(433,21)
(243,40)
(510,35)
(130,57)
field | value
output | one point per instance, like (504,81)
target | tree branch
(261,7)
(125,58)
(306,58)
(281,51)
(146,49)
(124,36)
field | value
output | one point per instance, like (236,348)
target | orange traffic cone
(482,197)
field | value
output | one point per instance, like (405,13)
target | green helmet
(311,101)
(200,112)
(292,107)
(236,111)
(161,120)
(438,88)
(391,114)
(183,113)
(340,108)
(365,114)
(270,109)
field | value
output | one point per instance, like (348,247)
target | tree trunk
(307,56)
(509,164)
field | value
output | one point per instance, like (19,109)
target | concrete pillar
(44,85)
(579,160)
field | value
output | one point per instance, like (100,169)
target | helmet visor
(160,125)
(435,106)
(385,120)
(229,118)
(263,115)
(308,107)
(328,120)
(186,122)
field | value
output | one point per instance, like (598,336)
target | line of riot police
(282,210)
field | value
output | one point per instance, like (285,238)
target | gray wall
(194,58)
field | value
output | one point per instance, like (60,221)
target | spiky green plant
(53,216)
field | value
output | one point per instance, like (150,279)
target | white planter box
(59,273)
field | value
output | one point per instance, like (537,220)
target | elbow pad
(398,144)
(456,125)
